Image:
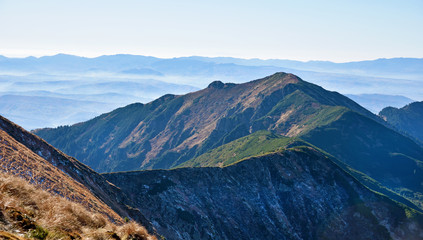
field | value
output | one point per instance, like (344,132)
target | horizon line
(10,56)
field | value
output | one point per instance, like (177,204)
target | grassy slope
(37,214)
(260,142)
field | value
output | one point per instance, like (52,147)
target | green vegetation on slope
(257,143)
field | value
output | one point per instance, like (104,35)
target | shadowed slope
(294,194)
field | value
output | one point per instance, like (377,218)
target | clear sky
(335,30)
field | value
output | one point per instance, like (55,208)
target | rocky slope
(408,119)
(295,194)
(29,157)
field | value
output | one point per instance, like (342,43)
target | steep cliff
(298,193)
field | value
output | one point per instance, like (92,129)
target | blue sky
(334,30)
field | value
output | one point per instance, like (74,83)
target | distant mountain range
(118,80)
(176,130)
(376,102)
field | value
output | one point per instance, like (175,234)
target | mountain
(376,102)
(174,129)
(407,119)
(298,193)
(26,156)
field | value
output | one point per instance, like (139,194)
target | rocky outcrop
(295,194)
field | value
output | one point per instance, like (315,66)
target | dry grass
(25,207)
(17,160)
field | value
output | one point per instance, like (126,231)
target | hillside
(27,156)
(26,211)
(293,194)
(18,160)
(408,119)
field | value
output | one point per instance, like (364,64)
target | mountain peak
(282,76)
(220,85)
(216,84)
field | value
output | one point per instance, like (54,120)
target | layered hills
(408,119)
(174,129)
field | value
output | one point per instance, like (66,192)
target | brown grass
(62,219)
(17,160)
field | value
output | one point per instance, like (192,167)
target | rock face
(408,119)
(295,194)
